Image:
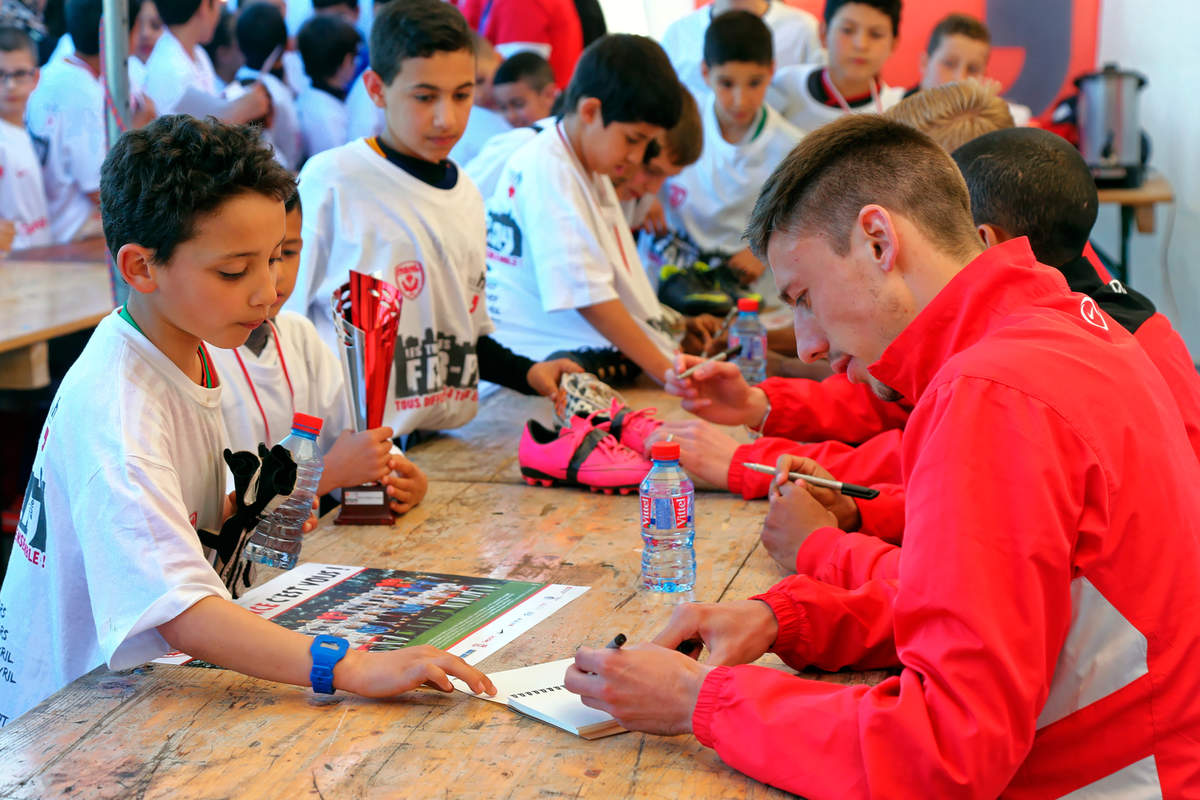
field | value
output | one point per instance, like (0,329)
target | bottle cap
(306,423)
(664,451)
(747,304)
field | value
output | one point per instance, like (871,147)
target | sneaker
(632,428)
(585,394)
(606,363)
(579,454)
(692,291)
(730,283)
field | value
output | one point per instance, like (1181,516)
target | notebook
(537,692)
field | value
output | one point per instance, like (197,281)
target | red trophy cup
(366,315)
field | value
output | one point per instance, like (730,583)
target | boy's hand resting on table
(406,484)
(393,672)
(545,376)
(798,509)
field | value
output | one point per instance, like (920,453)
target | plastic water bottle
(276,540)
(748,331)
(668,500)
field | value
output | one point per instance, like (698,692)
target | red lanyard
(616,231)
(250,383)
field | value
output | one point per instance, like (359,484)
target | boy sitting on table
(261,393)
(1042,623)
(109,568)
(395,206)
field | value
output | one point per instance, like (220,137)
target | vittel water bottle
(748,331)
(276,540)
(668,500)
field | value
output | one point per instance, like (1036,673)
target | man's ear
(135,264)
(877,231)
(375,87)
(992,235)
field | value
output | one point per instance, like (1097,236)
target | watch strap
(326,652)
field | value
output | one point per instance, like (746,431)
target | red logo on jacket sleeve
(409,277)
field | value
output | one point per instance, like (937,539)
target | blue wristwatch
(326,652)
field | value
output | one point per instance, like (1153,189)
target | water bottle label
(682,509)
(665,513)
(645,510)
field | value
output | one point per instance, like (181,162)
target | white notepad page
(537,691)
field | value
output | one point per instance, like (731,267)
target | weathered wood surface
(52,291)
(180,732)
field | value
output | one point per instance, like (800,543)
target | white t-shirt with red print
(128,466)
(22,190)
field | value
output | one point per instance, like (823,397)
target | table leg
(1122,266)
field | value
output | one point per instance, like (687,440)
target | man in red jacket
(1046,621)
(549,28)
(1022,182)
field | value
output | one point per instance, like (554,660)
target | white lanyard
(833,90)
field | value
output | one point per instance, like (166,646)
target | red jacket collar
(983,293)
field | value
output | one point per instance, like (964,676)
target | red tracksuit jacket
(837,410)
(1047,612)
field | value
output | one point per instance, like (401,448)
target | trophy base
(364,505)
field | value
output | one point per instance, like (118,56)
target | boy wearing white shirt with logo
(795,34)
(859,36)
(744,140)
(109,566)
(563,270)
(179,74)
(395,206)
(22,192)
(284,367)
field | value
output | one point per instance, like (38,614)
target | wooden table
(1137,206)
(45,293)
(181,732)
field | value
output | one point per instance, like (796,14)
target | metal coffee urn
(1110,132)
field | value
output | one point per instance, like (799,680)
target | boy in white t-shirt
(179,74)
(709,203)
(329,45)
(284,367)
(485,121)
(22,192)
(109,565)
(261,33)
(524,90)
(563,270)
(396,207)
(796,37)
(859,36)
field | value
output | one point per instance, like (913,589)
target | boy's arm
(614,323)
(223,633)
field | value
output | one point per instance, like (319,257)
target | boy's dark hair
(889,7)
(632,78)
(527,67)
(325,41)
(822,185)
(83,24)
(407,29)
(738,36)
(260,29)
(1030,182)
(158,181)
(14,39)
(318,4)
(958,25)
(178,12)
(293,202)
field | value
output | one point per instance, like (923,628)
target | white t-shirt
(22,191)
(128,466)
(795,35)
(557,241)
(365,118)
(65,117)
(711,200)
(486,166)
(300,374)
(170,72)
(323,120)
(790,96)
(284,133)
(482,125)
(361,212)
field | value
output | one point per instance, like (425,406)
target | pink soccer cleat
(632,428)
(579,454)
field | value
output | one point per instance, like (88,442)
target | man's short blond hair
(955,113)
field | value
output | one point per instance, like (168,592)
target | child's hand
(747,267)
(544,376)
(357,458)
(405,484)
(655,219)
(698,340)
(393,672)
